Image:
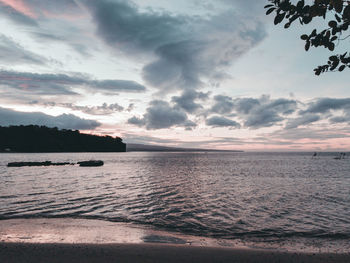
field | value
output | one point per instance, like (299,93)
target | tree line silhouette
(33,138)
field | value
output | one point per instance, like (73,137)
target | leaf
(279,18)
(335,65)
(304,37)
(338,18)
(317,71)
(346,13)
(307,19)
(270,10)
(338,5)
(287,25)
(332,24)
(341,68)
(333,58)
(334,38)
(267,6)
(307,46)
(300,4)
(331,46)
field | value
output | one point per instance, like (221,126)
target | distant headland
(33,138)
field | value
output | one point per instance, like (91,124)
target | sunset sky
(186,73)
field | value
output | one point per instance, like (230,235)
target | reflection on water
(228,195)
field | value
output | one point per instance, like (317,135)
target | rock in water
(91,163)
(46,163)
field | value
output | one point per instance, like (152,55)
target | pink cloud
(20,6)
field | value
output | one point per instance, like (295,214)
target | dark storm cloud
(217,121)
(120,23)
(11,53)
(161,115)
(187,100)
(64,121)
(186,49)
(61,84)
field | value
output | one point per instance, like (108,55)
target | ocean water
(254,197)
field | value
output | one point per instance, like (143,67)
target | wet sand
(90,253)
(80,240)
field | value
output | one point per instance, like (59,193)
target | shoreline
(89,240)
(91,253)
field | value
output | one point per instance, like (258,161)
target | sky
(213,74)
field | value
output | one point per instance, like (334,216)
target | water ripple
(226,195)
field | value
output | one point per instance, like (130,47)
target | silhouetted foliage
(338,14)
(34,138)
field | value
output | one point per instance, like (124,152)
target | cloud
(323,109)
(255,113)
(217,121)
(304,120)
(161,115)
(11,53)
(340,119)
(306,133)
(104,109)
(52,21)
(186,50)
(142,139)
(65,121)
(35,9)
(223,104)
(117,85)
(324,105)
(263,112)
(187,100)
(16,16)
(77,41)
(62,84)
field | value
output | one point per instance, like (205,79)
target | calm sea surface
(248,196)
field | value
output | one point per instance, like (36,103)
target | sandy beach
(78,240)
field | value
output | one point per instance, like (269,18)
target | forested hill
(34,138)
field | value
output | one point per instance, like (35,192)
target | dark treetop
(34,138)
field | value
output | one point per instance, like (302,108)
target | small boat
(341,156)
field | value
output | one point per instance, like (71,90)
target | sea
(262,198)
